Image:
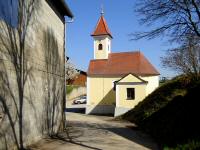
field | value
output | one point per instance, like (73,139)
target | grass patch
(191,145)
(69,88)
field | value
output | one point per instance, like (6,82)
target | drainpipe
(70,21)
(65,59)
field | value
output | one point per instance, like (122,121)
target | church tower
(102,39)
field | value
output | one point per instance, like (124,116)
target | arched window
(100,47)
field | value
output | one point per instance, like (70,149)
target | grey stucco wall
(43,92)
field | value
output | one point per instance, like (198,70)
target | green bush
(171,113)
(157,100)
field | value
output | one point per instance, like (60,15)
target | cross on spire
(102,11)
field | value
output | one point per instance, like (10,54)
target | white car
(80,100)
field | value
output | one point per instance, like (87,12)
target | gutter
(69,13)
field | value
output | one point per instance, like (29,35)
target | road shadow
(129,132)
(75,110)
(70,135)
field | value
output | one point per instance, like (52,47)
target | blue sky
(122,20)
(8,11)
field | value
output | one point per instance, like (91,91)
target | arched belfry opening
(100,47)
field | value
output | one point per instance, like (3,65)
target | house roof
(82,72)
(120,64)
(101,28)
(61,7)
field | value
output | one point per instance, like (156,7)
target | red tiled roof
(120,64)
(101,28)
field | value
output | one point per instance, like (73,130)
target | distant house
(117,82)
(44,90)
(79,80)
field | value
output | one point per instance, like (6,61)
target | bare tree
(53,103)
(173,18)
(13,47)
(184,59)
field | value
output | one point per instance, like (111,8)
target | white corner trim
(117,95)
(88,91)
(94,51)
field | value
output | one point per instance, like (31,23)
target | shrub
(171,113)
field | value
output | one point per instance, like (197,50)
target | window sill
(130,99)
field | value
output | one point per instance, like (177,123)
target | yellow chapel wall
(130,81)
(100,90)
(106,42)
(121,95)
(153,83)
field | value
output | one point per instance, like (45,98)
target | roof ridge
(133,74)
(125,52)
(105,25)
(97,59)
(96,26)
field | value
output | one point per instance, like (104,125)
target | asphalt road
(77,108)
(87,132)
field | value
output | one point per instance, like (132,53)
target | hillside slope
(171,113)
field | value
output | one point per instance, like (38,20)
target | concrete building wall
(76,92)
(45,81)
(47,20)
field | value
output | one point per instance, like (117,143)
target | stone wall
(44,87)
(76,92)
